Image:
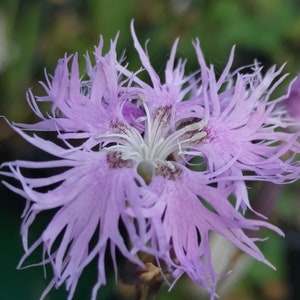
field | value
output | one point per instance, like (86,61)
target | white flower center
(158,146)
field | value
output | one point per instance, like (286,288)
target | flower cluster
(166,161)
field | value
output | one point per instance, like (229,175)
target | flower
(244,126)
(293,100)
(162,160)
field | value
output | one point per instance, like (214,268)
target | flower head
(160,159)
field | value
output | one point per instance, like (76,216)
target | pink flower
(244,126)
(159,159)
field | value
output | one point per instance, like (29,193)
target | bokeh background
(34,34)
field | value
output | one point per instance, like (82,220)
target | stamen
(173,142)
(195,126)
(196,137)
(155,152)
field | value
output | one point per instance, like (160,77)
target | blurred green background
(34,34)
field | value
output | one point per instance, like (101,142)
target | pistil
(158,149)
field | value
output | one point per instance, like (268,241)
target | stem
(147,291)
